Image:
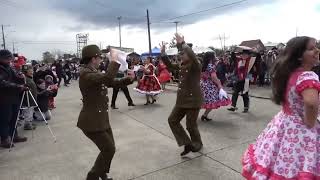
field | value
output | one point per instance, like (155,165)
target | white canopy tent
(197,50)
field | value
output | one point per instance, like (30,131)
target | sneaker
(131,104)
(246,110)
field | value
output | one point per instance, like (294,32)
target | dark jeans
(262,79)
(69,77)
(60,79)
(237,88)
(8,119)
(115,94)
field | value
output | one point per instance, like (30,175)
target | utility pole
(13,50)
(3,39)
(296,31)
(150,51)
(119,19)
(176,22)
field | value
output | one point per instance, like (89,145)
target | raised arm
(171,67)
(183,47)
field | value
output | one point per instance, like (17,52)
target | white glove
(223,94)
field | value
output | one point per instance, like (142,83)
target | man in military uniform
(94,119)
(189,98)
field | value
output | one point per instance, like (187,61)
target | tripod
(28,94)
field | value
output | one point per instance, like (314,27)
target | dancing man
(243,67)
(189,98)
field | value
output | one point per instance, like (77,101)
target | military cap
(5,54)
(90,51)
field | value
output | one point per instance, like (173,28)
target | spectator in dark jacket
(67,70)
(60,72)
(222,71)
(10,91)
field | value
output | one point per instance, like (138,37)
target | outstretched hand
(163,46)
(179,38)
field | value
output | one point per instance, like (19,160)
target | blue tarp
(155,52)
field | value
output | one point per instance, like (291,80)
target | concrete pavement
(146,148)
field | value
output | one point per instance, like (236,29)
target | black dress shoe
(114,107)
(105,177)
(204,118)
(246,110)
(187,150)
(197,148)
(131,104)
(233,109)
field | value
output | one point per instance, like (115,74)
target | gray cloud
(60,20)
(104,13)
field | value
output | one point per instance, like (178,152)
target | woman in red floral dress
(149,84)
(164,75)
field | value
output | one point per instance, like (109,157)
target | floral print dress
(210,90)
(287,149)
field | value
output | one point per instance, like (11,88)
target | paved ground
(146,149)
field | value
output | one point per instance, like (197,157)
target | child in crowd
(44,94)
(54,88)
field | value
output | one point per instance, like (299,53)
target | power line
(11,3)
(210,9)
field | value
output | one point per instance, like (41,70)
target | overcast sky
(42,25)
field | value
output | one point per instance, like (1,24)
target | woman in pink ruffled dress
(211,87)
(289,148)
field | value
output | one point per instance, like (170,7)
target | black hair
(288,61)
(209,57)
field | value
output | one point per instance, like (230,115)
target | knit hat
(48,77)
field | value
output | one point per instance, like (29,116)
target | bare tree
(47,57)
